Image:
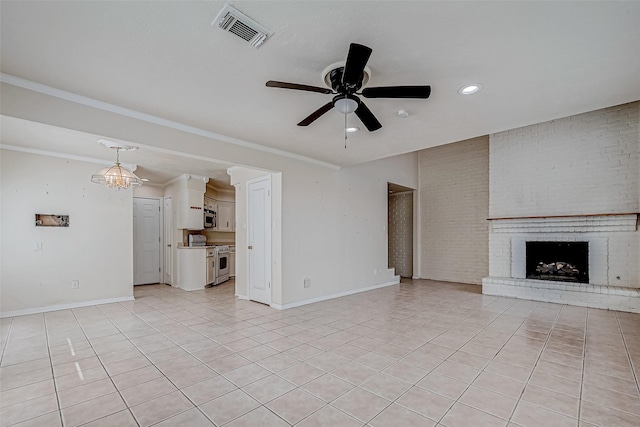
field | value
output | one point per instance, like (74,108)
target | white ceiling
(536,60)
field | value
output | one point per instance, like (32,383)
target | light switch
(37,246)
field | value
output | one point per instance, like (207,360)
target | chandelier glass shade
(116,176)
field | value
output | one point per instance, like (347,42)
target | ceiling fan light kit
(345,82)
(345,104)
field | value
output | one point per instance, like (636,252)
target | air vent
(232,20)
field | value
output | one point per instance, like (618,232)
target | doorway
(400,229)
(259,239)
(146,241)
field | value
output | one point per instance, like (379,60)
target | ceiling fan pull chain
(345,131)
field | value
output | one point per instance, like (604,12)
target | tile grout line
(584,362)
(53,376)
(553,325)
(624,341)
(103,367)
(6,342)
(153,364)
(455,350)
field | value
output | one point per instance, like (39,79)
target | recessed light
(470,89)
(352,129)
(403,113)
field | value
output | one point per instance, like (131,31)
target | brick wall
(401,233)
(454,200)
(580,165)
(583,164)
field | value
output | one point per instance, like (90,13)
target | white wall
(333,223)
(333,227)
(95,249)
(149,191)
(454,200)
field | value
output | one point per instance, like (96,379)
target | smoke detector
(233,21)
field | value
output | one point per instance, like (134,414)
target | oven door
(222,267)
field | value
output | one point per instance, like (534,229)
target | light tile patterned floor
(420,354)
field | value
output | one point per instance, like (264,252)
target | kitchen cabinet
(225,216)
(190,208)
(192,268)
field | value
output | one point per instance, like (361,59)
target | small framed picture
(43,220)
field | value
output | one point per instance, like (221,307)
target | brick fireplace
(568,182)
(600,233)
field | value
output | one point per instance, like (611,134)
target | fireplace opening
(561,261)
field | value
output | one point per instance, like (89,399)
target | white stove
(222,264)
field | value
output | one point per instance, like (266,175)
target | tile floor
(422,353)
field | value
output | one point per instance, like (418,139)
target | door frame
(161,232)
(167,239)
(268,236)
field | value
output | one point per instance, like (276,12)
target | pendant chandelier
(116,176)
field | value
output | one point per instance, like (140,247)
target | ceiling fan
(346,81)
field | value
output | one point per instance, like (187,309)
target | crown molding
(131,166)
(94,103)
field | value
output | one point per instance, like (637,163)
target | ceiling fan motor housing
(335,76)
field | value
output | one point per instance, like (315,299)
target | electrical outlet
(375,271)
(75,284)
(307,282)
(37,246)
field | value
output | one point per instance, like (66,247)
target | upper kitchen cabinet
(191,202)
(225,216)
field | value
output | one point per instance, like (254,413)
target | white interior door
(168,240)
(146,241)
(259,240)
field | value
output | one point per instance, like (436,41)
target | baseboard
(395,281)
(48,308)
(242,296)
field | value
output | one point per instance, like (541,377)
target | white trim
(63,306)
(395,281)
(244,297)
(131,166)
(94,103)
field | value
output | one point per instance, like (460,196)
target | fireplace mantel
(563,216)
(566,223)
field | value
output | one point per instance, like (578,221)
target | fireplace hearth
(558,261)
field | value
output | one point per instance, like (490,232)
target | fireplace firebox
(560,261)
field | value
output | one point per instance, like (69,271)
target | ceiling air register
(232,20)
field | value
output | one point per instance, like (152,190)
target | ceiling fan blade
(420,92)
(367,117)
(357,59)
(285,85)
(316,114)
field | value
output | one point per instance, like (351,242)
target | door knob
(169,245)
(250,247)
